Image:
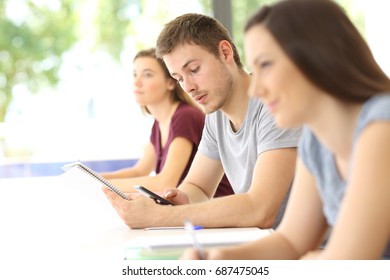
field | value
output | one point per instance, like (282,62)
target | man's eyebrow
(183,67)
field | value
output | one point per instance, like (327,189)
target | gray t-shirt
(238,151)
(320,162)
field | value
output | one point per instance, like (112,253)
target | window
(71,91)
(66,71)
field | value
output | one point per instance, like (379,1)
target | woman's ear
(171,84)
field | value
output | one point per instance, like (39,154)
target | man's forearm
(194,193)
(229,211)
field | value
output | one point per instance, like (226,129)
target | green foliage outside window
(31,47)
(242,10)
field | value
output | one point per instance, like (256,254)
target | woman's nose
(137,81)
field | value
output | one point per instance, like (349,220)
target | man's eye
(195,70)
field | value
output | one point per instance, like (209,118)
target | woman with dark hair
(176,131)
(311,67)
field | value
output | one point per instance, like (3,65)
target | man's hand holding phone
(148,193)
(176,196)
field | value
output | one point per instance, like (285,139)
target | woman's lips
(272,105)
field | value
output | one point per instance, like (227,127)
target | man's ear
(226,51)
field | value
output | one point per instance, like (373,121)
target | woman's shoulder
(377,108)
(188,120)
(187,109)
(380,102)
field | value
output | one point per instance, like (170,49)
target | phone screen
(158,199)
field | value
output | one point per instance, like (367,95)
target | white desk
(46,224)
(56,229)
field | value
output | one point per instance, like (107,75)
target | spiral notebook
(92,174)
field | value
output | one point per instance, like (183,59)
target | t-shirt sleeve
(270,136)
(375,109)
(188,123)
(209,145)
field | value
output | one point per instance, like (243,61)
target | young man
(240,138)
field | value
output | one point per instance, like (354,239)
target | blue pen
(191,229)
(172,228)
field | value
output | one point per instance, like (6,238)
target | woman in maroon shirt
(176,131)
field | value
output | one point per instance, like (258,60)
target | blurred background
(66,74)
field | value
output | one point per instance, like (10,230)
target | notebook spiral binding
(90,172)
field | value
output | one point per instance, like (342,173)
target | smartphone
(158,199)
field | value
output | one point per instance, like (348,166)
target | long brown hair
(196,29)
(177,94)
(324,44)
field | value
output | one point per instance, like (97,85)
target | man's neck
(235,107)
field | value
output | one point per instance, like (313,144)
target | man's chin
(209,109)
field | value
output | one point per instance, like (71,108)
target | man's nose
(188,85)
